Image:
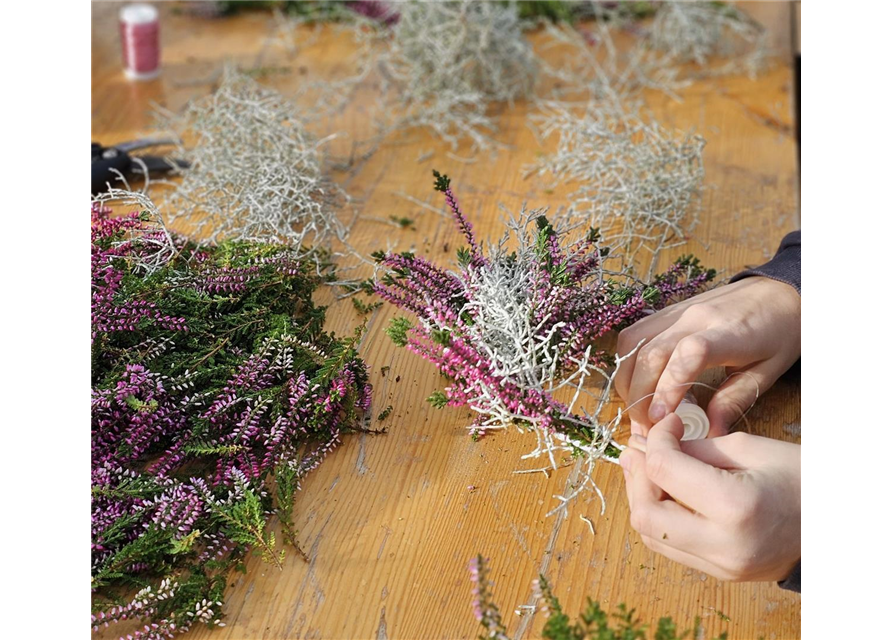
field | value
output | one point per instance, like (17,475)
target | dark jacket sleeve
(792,582)
(784,267)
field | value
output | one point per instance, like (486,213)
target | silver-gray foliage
(444,63)
(255,173)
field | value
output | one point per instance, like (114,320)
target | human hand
(751,326)
(743,494)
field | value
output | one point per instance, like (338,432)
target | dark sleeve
(792,582)
(784,267)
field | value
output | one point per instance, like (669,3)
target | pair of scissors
(108,163)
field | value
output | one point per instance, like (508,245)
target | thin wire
(714,389)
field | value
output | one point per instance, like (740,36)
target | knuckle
(656,465)
(744,510)
(737,439)
(694,347)
(640,520)
(697,313)
(651,355)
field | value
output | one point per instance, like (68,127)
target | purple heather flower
(508,328)
(173,449)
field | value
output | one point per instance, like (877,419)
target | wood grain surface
(390,521)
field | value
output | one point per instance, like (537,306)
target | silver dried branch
(700,31)
(255,173)
(640,182)
(445,63)
(157,247)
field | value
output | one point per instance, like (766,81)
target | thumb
(737,394)
(685,478)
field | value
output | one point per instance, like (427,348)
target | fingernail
(636,428)
(639,439)
(657,412)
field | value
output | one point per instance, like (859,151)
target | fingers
(629,339)
(734,452)
(640,491)
(738,393)
(692,355)
(650,363)
(683,557)
(651,514)
(687,479)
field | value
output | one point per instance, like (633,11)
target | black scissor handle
(104,160)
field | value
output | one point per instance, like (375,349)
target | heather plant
(215,391)
(512,330)
(593,623)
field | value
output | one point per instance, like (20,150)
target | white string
(598,452)
(714,389)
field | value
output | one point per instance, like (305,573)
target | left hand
(743,497)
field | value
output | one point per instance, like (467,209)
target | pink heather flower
(178,437)
(507,328)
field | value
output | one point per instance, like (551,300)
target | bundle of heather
(214,392)
(513,330)
(593,623)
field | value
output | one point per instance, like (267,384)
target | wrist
(778,296)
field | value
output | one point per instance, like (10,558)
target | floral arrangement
(215,392)
(593,624)
(511,330)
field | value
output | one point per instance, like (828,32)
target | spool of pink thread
(139,41)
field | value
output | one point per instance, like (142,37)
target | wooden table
(389,521)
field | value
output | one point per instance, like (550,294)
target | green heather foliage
(215,391)
(593,622)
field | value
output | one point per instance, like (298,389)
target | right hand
(751,326)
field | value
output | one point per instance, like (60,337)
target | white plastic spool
(693,418)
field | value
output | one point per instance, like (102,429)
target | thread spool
(139,41)
(693,418)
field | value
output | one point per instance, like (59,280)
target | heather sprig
(594,623)
(517,333)
(215,391)
(482,600)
